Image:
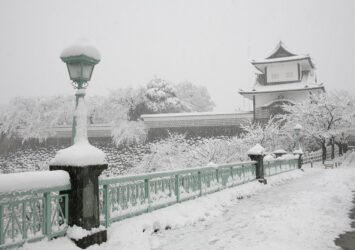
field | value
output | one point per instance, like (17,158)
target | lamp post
(80,60)
(297,129)
(298,151)
(82,161)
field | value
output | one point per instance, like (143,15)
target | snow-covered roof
(282,54)
(284,87)
(283,59)
(280,51)
(190,114)
(82,47)
(199,119)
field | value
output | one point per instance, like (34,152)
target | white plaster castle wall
(296,96)
(282,72)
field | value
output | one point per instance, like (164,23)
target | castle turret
(282,77)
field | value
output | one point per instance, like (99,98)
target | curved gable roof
(280,51)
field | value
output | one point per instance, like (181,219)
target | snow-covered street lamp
(297,129)
(298,150)
(81,60)
(82,161)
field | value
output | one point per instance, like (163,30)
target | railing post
(47,215)
(257,154)
(84,202)
(217,176)
(2,236)
(24,229)
(200,182)
(106,204)
(177,188)
(147,192)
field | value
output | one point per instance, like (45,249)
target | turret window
(275,76)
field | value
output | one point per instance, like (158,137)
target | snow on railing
(127,196)
(31,207)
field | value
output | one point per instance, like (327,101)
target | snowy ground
(295,210)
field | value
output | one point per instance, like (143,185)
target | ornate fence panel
(32,215)
(273,167)
(127,196)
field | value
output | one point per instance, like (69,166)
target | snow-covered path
(286,217)
(295,210)
(301,214)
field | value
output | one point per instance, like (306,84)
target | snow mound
(298,151)
(256,150)
(82,47)
(78,233)
(28,181)
(80,154)
(280,151)
(288,157)
(298,126)
(269,157)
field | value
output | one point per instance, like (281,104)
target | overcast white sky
(209,43)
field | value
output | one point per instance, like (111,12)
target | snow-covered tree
(161,97)
(168,154)
(270,135)
(30,117)
(129,132)
(195,97)
(323,117)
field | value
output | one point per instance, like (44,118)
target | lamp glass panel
(74,70)
(87,70)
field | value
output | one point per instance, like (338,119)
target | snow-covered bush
(177,152)
(270,135)
(129,132)
(30,117)
(170,153)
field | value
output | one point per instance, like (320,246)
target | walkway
(306,213)
(347,240)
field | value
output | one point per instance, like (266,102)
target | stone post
(299,153)
(84,201)
(300,161)
(257,154)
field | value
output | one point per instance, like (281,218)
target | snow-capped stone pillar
(257,154)
(84,163)
(299,153)
(84,201)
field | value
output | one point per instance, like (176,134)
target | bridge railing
(35,206)
(277,166)
(127,196)
(317,155)
(33,214)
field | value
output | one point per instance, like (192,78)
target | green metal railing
(273,167)
(32,215)
(127,196)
